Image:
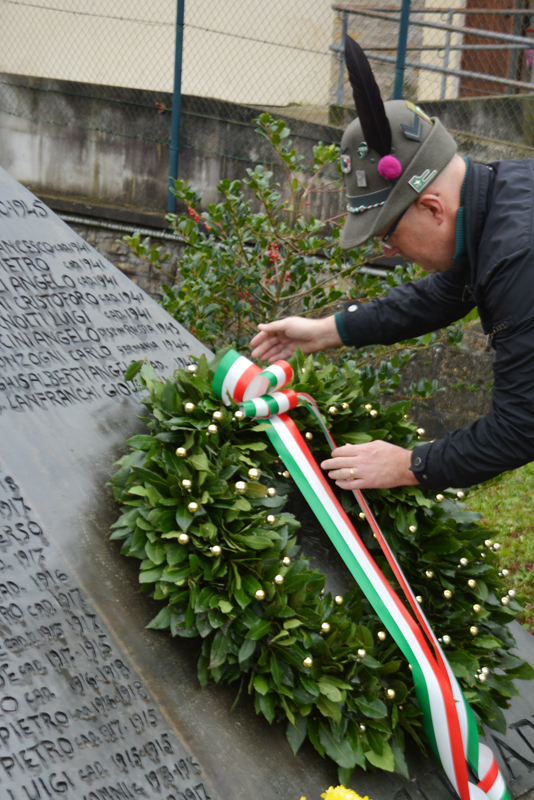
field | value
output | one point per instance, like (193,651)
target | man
(469,225)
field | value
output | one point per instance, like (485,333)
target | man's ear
(431,204)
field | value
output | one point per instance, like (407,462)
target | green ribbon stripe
(271,377)
(250,409)
(220,373)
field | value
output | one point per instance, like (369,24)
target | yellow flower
(341,793)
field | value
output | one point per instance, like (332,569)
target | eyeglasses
(392,228)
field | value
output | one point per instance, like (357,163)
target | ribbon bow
(448,719)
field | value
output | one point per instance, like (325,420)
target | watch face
(362,150)
(345,164)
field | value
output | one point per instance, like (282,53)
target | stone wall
(464,373)
(104,150)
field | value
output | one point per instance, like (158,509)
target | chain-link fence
(111,66)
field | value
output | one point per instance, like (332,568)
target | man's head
(390,154)
(426,231)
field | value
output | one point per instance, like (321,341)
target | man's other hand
(280,339)
(374,465)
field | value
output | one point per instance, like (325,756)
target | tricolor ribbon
(448,719)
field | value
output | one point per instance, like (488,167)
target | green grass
(507,507)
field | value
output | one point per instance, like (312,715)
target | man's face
(423,236)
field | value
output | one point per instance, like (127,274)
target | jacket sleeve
(504,438)
(411,309)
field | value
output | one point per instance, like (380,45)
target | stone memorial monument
(92,705)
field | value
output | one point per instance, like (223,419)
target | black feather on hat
(369,103)
(370,108)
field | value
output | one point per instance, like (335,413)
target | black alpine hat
(389,154)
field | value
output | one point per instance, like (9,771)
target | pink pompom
(390,168)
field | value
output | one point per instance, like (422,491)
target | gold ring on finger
(351,473)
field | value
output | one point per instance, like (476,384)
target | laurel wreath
(205,507)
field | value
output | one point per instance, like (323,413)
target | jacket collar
(477,191)
(460,253)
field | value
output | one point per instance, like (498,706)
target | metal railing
(511,42)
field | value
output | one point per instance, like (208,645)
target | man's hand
(280,339)
(375,465)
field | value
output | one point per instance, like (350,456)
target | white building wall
(265,52)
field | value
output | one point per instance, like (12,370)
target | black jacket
(498,278)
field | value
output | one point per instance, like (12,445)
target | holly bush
(218,546)
(262,253)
